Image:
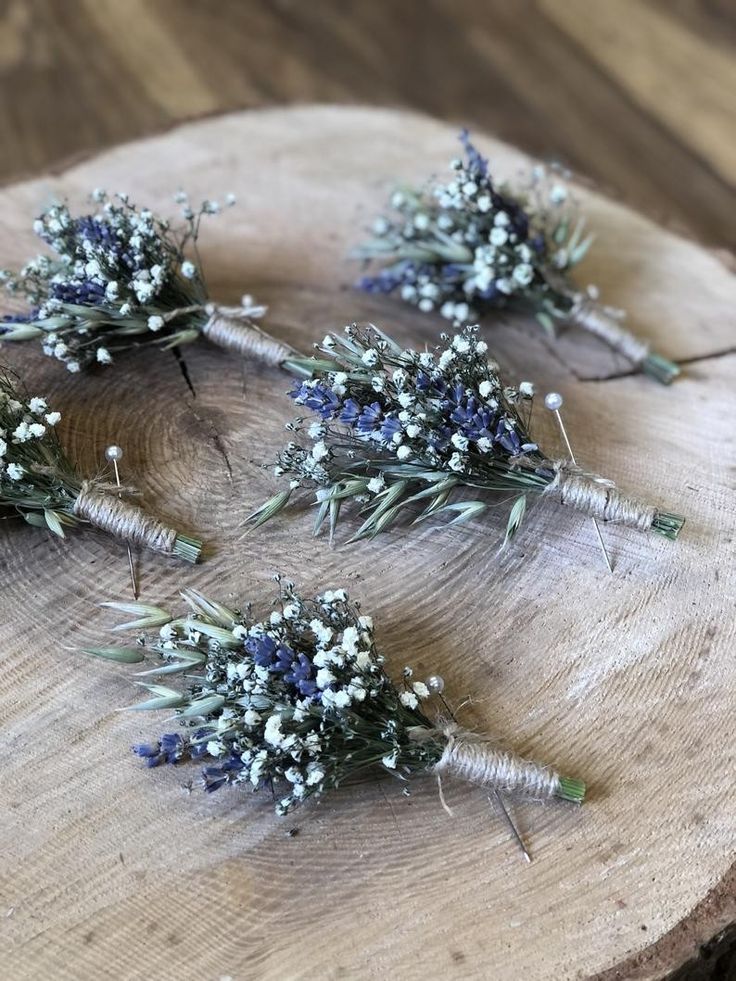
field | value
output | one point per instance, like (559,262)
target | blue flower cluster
(295,669)
(173,748)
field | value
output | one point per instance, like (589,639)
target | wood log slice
(111,871)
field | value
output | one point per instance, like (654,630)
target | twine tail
(232,328)
(105,510)
(477,761)
(597,321)
(600,498)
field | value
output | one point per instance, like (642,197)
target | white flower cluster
(298,700)
(21,424)
(116,273)
(469,243)
(445,409)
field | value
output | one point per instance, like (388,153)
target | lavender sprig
(122,277)
(474,244)
(399,430)
(39,482)
(300,702)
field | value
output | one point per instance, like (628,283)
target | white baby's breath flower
(21,433)
(526,389)
(370,357)
(376,484)
(155,322)
(461,344)
(523,273)
(14,471)
(36,430)
(324,678)
(321,630)
(320,450)
(485,388)
(446,359)
(37,405)
(389,760)
(188,269)
(409,699)
(420,690)
(557,194)
(498,236)
(104,356)
(403,452)
(272,730)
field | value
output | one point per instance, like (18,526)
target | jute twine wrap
(475,759)
(593,318)
(598,497)
(107,511)
(233,329)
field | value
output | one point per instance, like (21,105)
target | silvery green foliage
(398,428)
(296,702)
(115,278)
(472,243)
(36,478)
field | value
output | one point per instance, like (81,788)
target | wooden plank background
(635,94)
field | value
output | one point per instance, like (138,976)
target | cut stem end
(189,549)
(668,525)
(571,789)
(660,368)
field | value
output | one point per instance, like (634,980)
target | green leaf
(153,704)
(125,655)
(223,637)
(466,510)
(516,516)
(150,616)
(53,523)
(580,251)
(268,510)
(220,614)
(203,706)
(547,323)
(35,519)
(187,661)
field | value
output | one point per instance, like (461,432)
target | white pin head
(436,684)
(553,401)
(114,453)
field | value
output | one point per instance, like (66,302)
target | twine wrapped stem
(472,758)
(600,498)
(121,519)
(595,319)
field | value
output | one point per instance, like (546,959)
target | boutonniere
(121,277)
(397,430)
(40,483)
(475,244)
(300,702)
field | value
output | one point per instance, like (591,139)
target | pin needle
(436,685)
(553,401)
(113,454)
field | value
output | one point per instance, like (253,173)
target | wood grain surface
(112,871)
(638,94)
